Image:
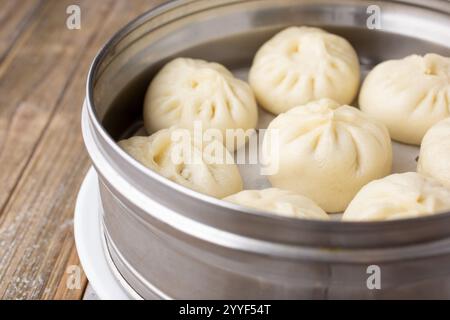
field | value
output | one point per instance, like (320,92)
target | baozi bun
(408,95)
(326,151)
(434,158)
(398,196)
(303,64)
(204,167)
(280,202)
(188,90)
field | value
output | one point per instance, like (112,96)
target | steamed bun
(302,64)
(326,151)
(408,95)
(204,167)
(434,159)
(280,202)
(188,90)
(398,196)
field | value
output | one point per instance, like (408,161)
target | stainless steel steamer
(171,242)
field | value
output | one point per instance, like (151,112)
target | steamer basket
(171,242)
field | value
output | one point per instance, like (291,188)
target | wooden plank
(36,240)
(72,283)
(15,18)
(31,85)
(32,80)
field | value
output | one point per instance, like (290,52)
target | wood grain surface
(43,67)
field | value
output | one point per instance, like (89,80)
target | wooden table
(43,67)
